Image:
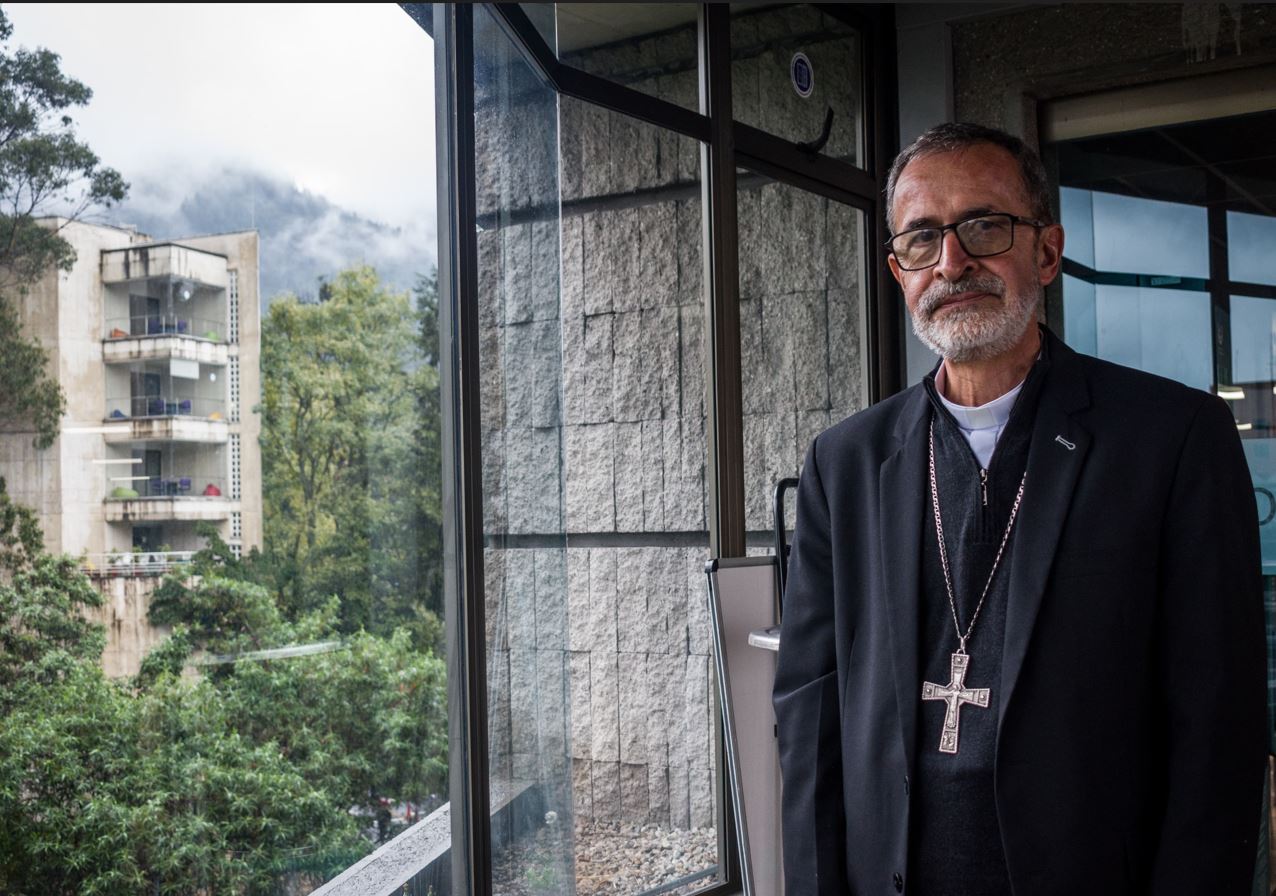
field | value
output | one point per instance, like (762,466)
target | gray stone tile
(700,798)
(598,264)
(658,794)
(679,797)
(629,477)
(546,369)
(808,313)
(581,695)
(846,370)
(578,600)
(599,360)
(634,801)
(533,480)
(520,599)
(635,704)
(546,269)
(631,600)
(606,781)
(553,738)
(522,690)
(690,240)
(651,467)
(517,272)
(582,790)
(604,707)
(551,599)
(602,591)
(624,243)
(696,711)
(770,446)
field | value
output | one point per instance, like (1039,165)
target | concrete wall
(1004,65)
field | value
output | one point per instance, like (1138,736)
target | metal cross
(955,693)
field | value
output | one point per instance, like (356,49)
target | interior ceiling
(1228,161)
(585,25)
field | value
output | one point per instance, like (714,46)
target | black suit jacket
(1132,741)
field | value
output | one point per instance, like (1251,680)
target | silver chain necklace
(955,693)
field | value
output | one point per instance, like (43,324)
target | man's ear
(1049,253)
(895,269)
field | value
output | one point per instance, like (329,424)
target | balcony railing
(134,563)
(165,325)
(171,485)
(131,406)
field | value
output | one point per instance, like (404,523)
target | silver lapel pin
(1065,443)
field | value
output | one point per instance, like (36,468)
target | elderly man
(1022,648)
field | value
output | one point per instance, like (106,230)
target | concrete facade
(157,349)
(593,380)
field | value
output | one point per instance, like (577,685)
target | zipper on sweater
(983,485)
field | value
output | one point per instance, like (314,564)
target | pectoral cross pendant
(955,693)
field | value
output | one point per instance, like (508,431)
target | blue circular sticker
(802,75)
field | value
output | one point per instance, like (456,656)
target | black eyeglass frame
(1014,220)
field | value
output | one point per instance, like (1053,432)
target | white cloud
(336,98)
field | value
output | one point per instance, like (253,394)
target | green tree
(349,455)
(44,170)
(152,786)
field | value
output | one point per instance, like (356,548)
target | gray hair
(955,135)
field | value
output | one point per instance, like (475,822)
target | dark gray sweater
(956,839)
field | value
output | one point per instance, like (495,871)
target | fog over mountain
(304,237)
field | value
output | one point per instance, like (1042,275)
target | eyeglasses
(980,237)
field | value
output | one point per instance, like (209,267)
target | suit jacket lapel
(1055,458)
(902,492)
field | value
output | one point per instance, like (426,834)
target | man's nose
(953,263)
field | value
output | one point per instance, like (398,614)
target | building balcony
(165,337)
(119,564)
(137,499)
(164,261)
(161,418)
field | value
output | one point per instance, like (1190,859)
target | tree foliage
(350,454)
(230,782)
(44,170)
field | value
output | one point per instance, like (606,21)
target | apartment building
(156,345)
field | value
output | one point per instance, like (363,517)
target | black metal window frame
(725,145)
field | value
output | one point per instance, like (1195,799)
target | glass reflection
(1162,331)
(648,47)
(1147,236)
(791,65)
(1251,240)
(802,343)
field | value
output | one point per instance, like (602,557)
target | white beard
(975,333)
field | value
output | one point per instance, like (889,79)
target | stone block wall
(594,454)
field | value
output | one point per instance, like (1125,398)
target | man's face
(965,308)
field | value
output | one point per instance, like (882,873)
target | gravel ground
(611,859)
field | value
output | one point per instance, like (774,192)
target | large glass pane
(641,697)
(802,339)
(791,66)
(1148,236)
(601,722)
(1076,214)
(649,47)
(1253,403)
(1163,331)
(1251,248)
(525,563)
(237,683)
(1079,318)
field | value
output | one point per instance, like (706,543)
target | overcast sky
(337,99)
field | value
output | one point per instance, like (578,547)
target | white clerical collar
(992,415)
